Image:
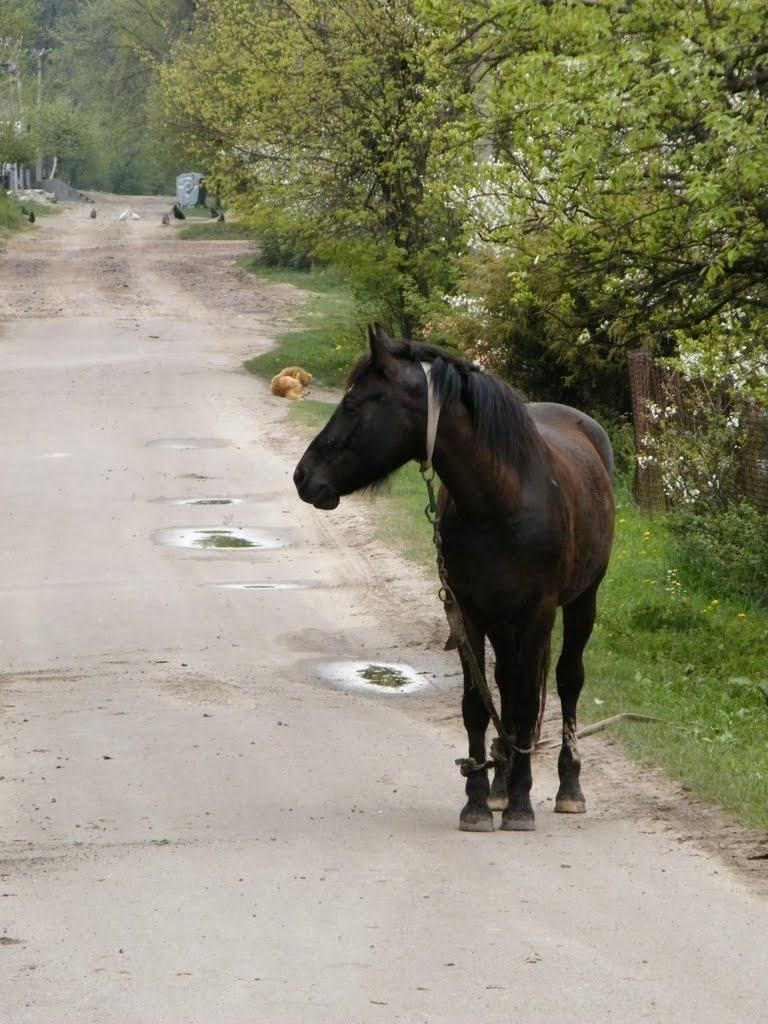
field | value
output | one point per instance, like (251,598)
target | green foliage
(15,148)
(63,131)
(723,552)
(285,247)
(694,445)
(623,187)
(98,81)
(320,119)
(18,19)
(10,217)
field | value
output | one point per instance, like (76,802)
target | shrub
(282,247)
(724,551)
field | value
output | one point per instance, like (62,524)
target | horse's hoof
(568,805)
(476,824)
(497,801)
(475,819)
(518,821)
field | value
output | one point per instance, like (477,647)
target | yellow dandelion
(714,601)
(741,615)
(622,520)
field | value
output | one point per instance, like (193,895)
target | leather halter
(433,415)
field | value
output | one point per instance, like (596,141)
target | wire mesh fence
(659,392)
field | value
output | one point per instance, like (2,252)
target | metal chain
(503,746)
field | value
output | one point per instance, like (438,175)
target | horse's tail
(543,673)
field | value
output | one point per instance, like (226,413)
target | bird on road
(220,218)
(31,217)
(93,214)
(166,220)
(177,212)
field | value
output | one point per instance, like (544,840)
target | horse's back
(564,423)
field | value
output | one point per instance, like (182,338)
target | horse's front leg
(475,817)
(522,659)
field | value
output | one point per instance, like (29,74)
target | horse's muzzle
(313,491)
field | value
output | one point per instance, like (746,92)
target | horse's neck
(479,488)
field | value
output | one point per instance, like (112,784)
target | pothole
(374,676)
(220,537)
(266,585)
(185,443)
(199,501)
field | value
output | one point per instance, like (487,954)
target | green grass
(11,217)
(694,660)
(326,341)
(212,231)
(41,209)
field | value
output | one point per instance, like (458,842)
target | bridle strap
(433,415)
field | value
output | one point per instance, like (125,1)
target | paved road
(194,827)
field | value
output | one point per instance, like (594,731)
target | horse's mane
(500,420)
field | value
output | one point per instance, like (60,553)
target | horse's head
(379,425)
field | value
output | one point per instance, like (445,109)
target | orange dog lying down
(290,382)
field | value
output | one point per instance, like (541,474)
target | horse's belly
(499,577)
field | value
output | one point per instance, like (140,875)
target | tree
(626,190)
(103,62)
(15,147)
(63,133)
(321,118)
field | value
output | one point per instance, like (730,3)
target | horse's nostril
(299,475)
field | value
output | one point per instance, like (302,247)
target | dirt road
(193,826)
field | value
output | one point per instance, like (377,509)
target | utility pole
(39,54)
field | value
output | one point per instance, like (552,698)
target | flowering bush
(706,444)
(703,440)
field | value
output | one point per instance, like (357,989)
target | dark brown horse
(526,516)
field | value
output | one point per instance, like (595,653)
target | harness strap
(433,415)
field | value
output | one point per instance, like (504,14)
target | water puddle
(219,537)
(186,443)
(199,501)
(374,676)
(268,585)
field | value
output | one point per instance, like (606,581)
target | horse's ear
(380,345)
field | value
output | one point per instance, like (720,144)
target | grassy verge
(211,230)
(11,217)
(41,209)
(695,660)
(327,341)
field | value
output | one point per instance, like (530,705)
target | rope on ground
(606,723)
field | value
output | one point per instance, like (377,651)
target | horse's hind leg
(522,655)
(475,816)
(578,620)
